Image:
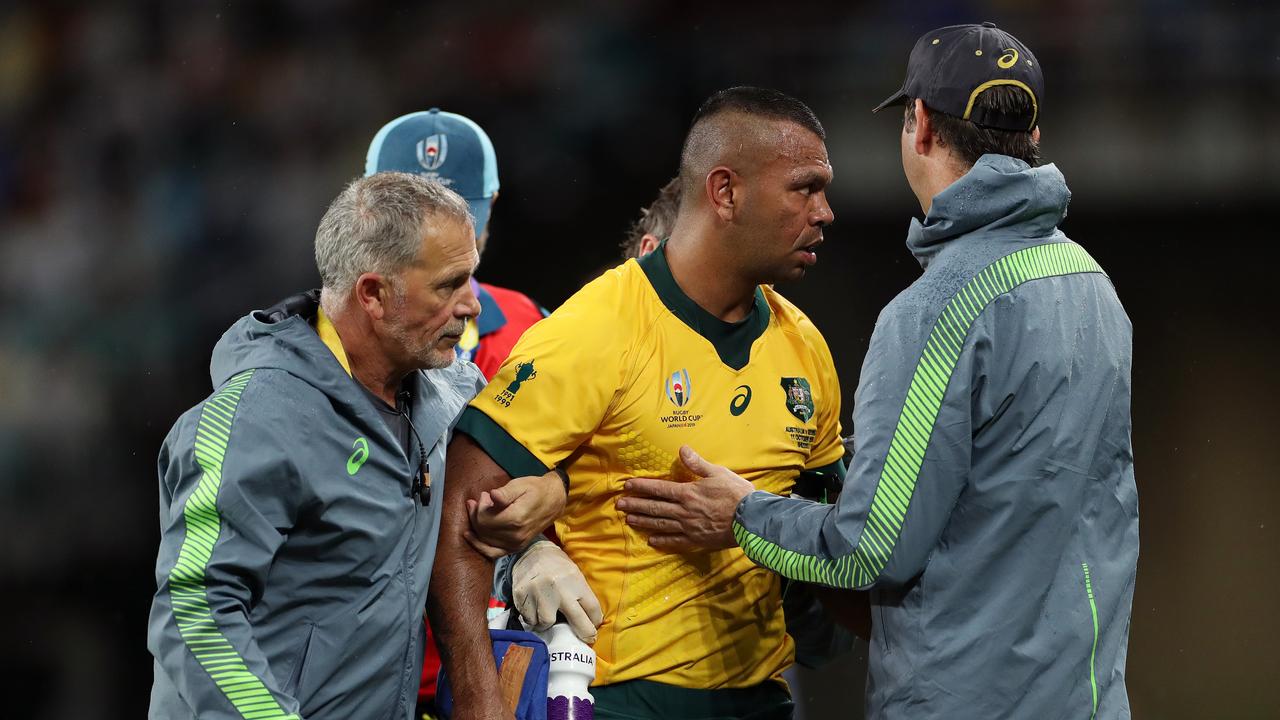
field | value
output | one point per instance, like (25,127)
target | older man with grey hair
(298,512)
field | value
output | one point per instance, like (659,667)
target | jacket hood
(999,193)
(281,338)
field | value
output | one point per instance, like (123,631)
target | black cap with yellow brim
(949,67)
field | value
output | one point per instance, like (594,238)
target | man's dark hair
(969,142)
(656,220)
(703,139)
(761,102)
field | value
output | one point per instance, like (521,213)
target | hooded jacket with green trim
(294,557)
(990,507)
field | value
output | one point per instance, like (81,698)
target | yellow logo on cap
(1008,59)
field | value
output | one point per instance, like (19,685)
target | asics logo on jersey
(359,456)
(739,404)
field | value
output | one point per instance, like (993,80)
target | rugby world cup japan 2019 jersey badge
(432,151)
(680,394)
(524,373)
(799,400)
(678,390)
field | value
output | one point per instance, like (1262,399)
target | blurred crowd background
(163,166)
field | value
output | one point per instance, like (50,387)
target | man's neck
(369,366)
(381,381)
(939,176)
(708,278)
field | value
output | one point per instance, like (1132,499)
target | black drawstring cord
(420,489)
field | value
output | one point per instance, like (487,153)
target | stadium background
(163,167)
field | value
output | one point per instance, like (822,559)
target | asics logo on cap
(432,151)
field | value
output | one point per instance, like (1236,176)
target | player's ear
(648,243)
(374,294)
(1035,134)
(721,183)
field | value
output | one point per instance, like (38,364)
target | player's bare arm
(687,515)
(460,583)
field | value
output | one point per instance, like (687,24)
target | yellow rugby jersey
(609,387)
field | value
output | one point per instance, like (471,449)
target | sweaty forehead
(796,146)
(745,142)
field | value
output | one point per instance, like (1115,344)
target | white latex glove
(545,581)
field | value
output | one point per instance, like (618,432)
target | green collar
(732,341)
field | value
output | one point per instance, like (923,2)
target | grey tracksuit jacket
(990,507)
(294,557)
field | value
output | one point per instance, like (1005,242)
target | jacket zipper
(419,495)
(406,663)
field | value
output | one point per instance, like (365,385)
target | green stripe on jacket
(906,452)
(187,589)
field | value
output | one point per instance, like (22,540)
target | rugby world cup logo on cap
(678,390)
(432,151)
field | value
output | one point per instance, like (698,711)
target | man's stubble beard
(423,354)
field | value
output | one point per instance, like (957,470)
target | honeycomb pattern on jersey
(641,458)
(673,576)
(673,579)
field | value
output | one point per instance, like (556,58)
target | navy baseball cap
(949,67)
(442,146)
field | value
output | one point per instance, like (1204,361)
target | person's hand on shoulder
(505,519)
(545,581)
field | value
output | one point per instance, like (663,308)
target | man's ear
(648,243)
(374,294)
(722,187)
(1035,134)
(924,137)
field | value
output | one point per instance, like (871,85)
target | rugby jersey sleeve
(228,496)
(558,383)
(913,424)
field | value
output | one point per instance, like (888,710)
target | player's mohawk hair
(706,142)
(762,102)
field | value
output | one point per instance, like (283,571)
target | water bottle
(573,668)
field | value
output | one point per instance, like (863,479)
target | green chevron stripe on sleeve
(187,591)
(1093,653)
(911,436)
